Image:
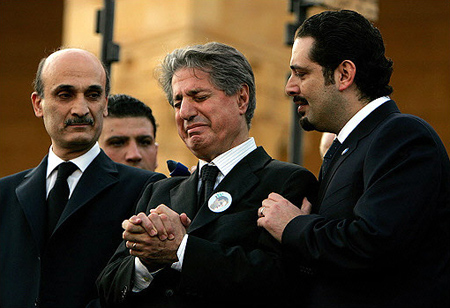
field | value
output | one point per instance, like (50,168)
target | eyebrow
(297,67)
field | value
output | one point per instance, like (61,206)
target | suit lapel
(351,142)
(183,198)
(237,183)
(31,194)
(98,176)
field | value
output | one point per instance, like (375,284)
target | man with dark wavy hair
(380,236)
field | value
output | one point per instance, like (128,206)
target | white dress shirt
(225,162)
(82,162)
(359,116)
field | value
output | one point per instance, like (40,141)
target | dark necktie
(208,174)
(59,195)
(329,156)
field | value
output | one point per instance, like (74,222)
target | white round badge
(219,202)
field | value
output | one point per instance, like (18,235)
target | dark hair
(124,106)
(228,69)
(38,83)
(347,35)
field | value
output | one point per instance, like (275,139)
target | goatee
(305,124)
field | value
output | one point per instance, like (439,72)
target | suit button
(36,302)
(168,293)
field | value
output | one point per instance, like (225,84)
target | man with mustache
(222,259)
(380,235)
(61,221)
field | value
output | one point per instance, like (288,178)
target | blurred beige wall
(147,30)
(416,35)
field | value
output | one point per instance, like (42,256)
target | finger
(306,206)
(136,219)
(167,226)
(164,209)
(132,245)
(158,225)
(185,220)
(125,224)
(274,196)
(148,225)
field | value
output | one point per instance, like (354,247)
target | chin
(306,125)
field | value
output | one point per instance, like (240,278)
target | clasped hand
(155,238)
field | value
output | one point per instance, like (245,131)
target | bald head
(71,98)
(66,54)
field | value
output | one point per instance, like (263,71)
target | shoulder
(15,178)
(135,174)
(405,128)
(282,169)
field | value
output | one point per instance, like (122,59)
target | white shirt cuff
(180,254)
(142,277)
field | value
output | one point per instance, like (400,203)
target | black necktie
(208,174)
(329,156)
(58,196)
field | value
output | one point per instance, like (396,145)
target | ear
(243,99)
(36,101)
(105,111)
(346,74)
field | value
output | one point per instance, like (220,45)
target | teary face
(208,121)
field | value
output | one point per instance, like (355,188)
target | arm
(399,177)
(247,261)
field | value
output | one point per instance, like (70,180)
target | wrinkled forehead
(77,68)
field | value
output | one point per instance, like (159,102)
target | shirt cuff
(142,277)
(180,254)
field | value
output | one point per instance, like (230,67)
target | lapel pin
(345,151)
(219,202)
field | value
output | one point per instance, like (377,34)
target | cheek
(180,126)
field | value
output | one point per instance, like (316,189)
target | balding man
(61,221)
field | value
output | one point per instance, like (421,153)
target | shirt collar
(82,161)
(226,161)
(359,116)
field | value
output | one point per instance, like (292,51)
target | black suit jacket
(229,261)
(381,236)
(61,271)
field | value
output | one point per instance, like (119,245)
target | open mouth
(301,102)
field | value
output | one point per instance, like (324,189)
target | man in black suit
(380,237)
(50,259)
(222,259)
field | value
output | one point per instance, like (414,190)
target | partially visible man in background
(129,133)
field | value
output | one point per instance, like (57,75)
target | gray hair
(228,69)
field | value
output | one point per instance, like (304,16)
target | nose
(292,89)
(133,154)
(187,110)
(80,107)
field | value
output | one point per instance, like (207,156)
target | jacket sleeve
(115,282)
(219,269)
(401,182)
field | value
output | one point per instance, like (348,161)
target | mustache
(300,99)
(82,120)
